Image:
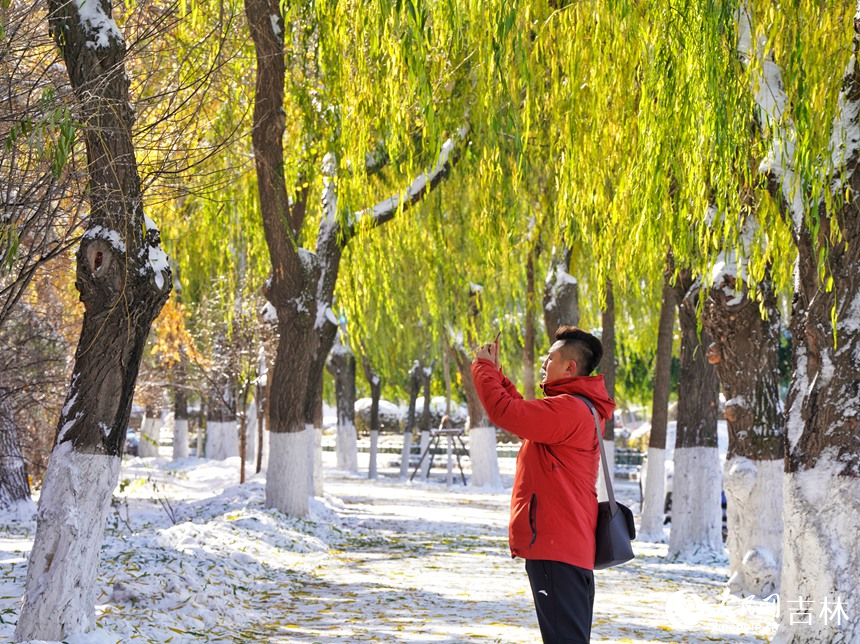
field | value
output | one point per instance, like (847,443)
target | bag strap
(613,507)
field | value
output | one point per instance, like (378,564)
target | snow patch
(97,24)
(276,28)
(112,237)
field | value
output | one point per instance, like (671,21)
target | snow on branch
(845,135)
(769,92)
(423,183)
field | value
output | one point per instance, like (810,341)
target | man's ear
(571,364)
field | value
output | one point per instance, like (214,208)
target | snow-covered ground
(191,556)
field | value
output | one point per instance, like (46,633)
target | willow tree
(813,139)
(123,279)
(300,50)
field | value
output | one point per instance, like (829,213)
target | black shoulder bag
(615,528)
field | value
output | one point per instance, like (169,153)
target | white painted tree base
(654,501)
(147,446)
(60,591)
(609,448)
(425,464)
(222,440)
(821,558)
(754,519)
(317,475)
(347,448)
(288,472)
(180,439)
(696,509)
(484,458)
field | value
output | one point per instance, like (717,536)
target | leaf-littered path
(190,556)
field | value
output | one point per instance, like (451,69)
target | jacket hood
(591,387)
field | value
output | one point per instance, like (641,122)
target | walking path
(196,558)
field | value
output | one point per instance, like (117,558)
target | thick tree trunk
(821,483)
(607,368)
(14,487)
(124,279)
(745,351)
(341,365)
(560,295)
(696,514)
(654,480)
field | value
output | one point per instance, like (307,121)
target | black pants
(564,600)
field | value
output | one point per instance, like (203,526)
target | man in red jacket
(554,499)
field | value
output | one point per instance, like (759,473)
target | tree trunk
(302,283)
(222,426)
(341,365)
(696,512)
(414,388)
(821,481)
(654,480)
(124,279)
(149,432)
(529,331)
(424,424)
(560,295)
(180,413)
(375,392)
(14,487)
(745,351)
(607,368)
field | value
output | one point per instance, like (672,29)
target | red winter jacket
(554,499)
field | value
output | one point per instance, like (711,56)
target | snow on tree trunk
(484,457)
(654,480)
(14,487)
(287,472)
(696,512)
(745,351)
(341,365)
(150,427)
(560,295)
(124,279)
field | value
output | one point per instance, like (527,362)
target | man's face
(555,367)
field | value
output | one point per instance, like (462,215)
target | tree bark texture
(341,365)
(560,296)
(14,486)
(123,279)
(745,350)
(696,511)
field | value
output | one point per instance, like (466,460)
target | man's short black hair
(584,347)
